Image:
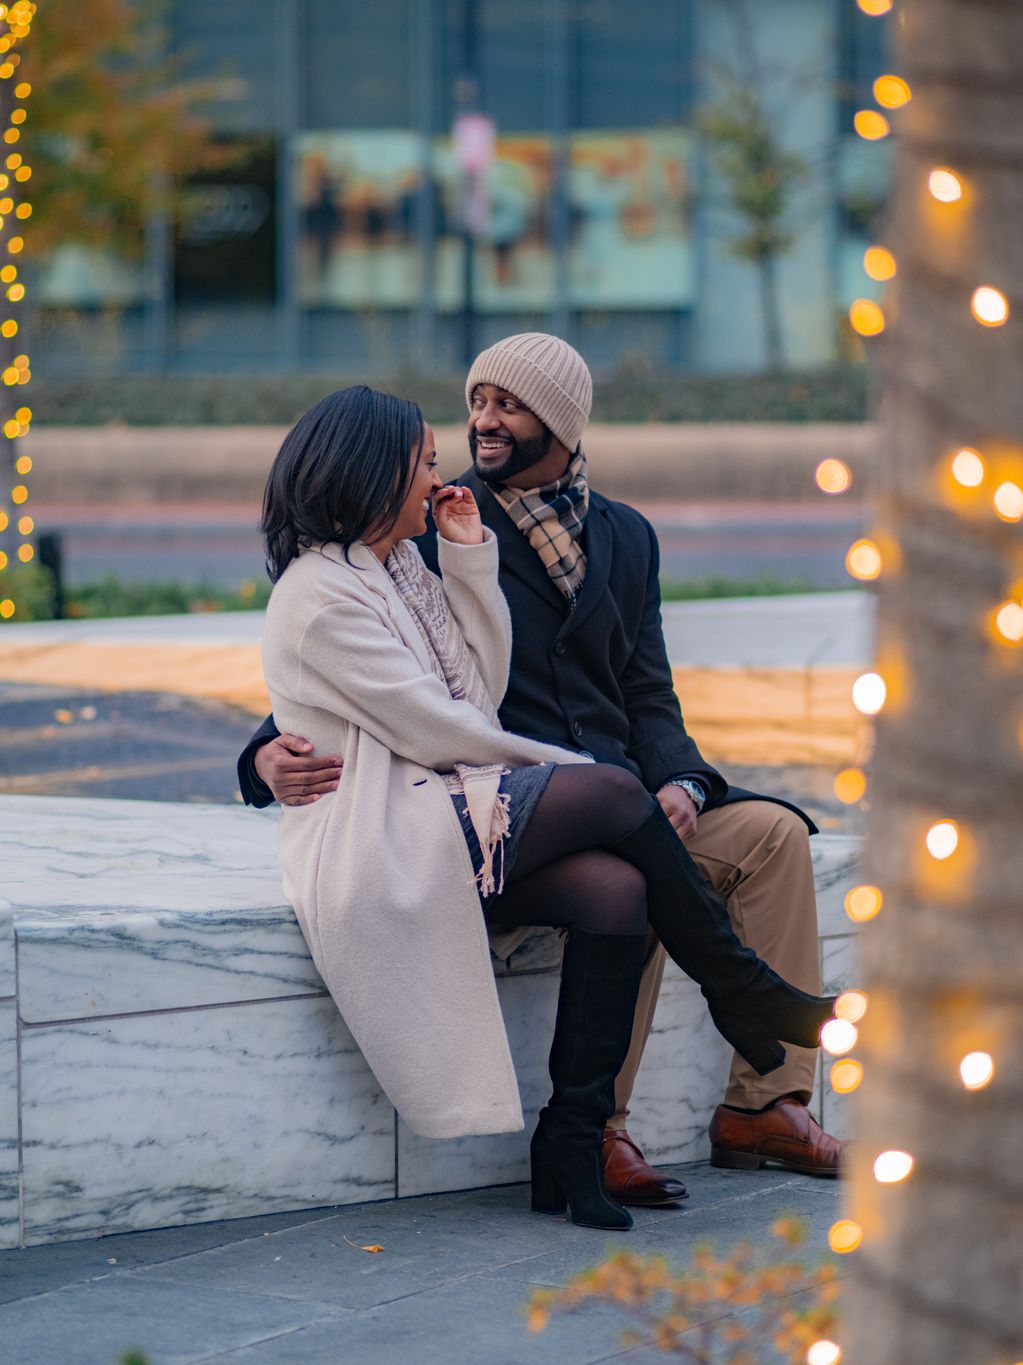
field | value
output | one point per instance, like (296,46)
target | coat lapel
(516,554)
(376,579)
(599,545)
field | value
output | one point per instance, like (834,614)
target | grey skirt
(524,787)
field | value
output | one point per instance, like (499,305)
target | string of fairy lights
(975,484)
(14,177)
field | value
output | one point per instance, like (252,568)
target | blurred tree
(112,132)
(938,1276)
(745,143)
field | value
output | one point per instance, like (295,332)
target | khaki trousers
(756,854)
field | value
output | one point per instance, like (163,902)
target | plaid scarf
(552,519)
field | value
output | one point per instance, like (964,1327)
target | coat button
(585,753)
(560,647)
(577,729)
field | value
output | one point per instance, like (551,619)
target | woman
(369,655)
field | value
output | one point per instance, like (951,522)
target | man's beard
(522,455)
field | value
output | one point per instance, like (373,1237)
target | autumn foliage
(723,1308)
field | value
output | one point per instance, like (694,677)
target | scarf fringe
(500,828)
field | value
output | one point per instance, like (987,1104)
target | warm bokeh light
(833,476)
(16,293)
(852,1005)
(1008,501)
(989,306)
(871,125)
(24,414)
(824,1352)
(845,1075)
(851,786)
(866,317)
(3,521)
(844,1236)
(6,609)
(891,1167)
(23,464)
(9,328)
(868,693)
(879,263)
(838,1036)
(942,839)
(863,903)
(968,467)
(945,185)
(976,1070)
(19,493)
(12,429)
(863,560)
(26,526)
(1009,622)
(892,92)
(25,553)
(875,6)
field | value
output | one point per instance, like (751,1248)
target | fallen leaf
(372,1249)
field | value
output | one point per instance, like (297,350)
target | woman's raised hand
(457,516)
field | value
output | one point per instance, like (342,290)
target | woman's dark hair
(343,470)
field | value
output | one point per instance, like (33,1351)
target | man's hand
(680,810)
(294,774)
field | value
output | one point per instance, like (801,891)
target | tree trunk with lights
(938,1277)
(15,545)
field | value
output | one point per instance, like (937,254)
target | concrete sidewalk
(449,1286)
(763,679)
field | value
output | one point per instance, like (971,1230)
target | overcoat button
(577,729)
(560,647)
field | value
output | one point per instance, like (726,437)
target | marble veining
(163,1119)
(7,979)
(124,906)
(8,1125)
(180,1062)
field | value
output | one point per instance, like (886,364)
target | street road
(795,542)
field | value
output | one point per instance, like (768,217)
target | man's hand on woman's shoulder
(295,775)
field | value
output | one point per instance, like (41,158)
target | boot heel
(735,1161)
(547,1195)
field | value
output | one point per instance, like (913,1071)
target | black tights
(563,874)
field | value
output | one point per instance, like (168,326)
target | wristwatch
(692,789)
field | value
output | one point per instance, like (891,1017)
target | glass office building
(334,241)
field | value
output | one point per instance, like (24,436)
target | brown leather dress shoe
(630,1179)
(785,1134)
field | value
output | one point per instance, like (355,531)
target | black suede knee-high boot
(600,977)
(751,1005)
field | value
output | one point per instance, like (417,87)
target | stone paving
(450,1284)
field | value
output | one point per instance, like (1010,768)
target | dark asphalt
(137,745)
(145,746)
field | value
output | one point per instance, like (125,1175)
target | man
(589,670)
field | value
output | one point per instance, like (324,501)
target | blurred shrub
(635,392)
(31,590)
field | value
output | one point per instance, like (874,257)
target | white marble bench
(168,1053)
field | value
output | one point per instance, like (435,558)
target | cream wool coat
(378,872)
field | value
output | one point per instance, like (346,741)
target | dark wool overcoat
(595,679)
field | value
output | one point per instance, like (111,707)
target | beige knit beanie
(543,372)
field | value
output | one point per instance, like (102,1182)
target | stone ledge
(171,1057)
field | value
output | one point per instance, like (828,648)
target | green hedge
(634,392)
